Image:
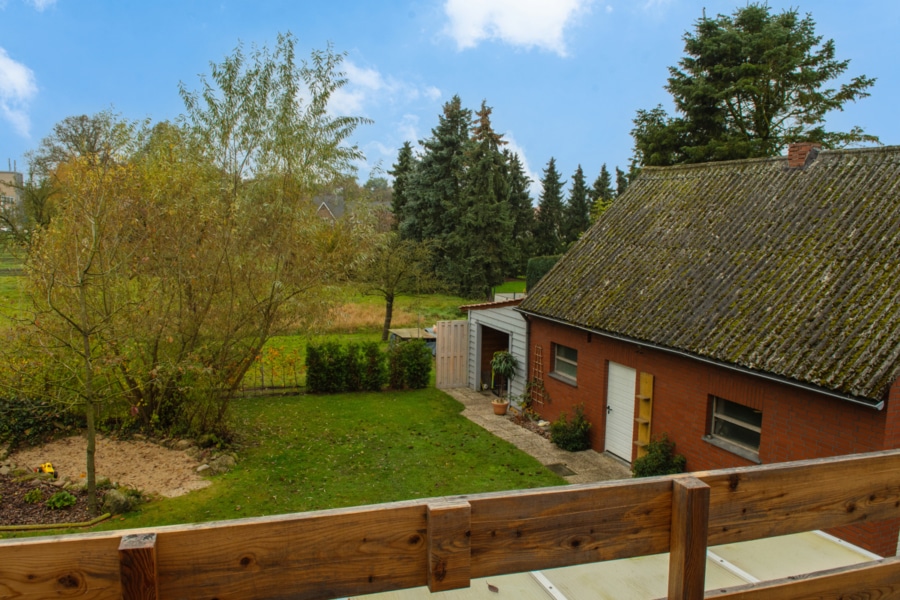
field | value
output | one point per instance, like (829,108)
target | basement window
(565,362)
(737,427)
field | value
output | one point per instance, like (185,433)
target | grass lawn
(313,452)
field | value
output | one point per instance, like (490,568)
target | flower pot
(500,406)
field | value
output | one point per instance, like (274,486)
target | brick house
(748,309)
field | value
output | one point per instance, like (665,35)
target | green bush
(27,421)
(537,267)
(333,368)
(352,368)
(659,460)
(410,365)
(33,496)
(572,436)
(374,373)
(61,499)
(325,368)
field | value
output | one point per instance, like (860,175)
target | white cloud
(367,87)
(528,23)
(40,5)
(17,87)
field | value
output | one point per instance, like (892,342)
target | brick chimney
(799,152)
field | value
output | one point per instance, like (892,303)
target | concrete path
(585,466)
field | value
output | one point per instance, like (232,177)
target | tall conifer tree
(577,211)
(403,172)
(521,211)
(438,183)
(478,248)
(602,193)
(547,231)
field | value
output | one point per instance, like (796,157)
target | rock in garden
(222,464)
(5,470)
(116,503)
(202,468)
(182,445)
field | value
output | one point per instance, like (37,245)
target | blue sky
(564,77)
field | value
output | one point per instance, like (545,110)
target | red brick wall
(797,424)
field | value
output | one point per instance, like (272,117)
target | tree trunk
(388,315)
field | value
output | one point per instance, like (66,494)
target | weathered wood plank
(687,556)
(137,567)
(878,579)
(770,500)
(60,566)
(321,555)
(449,550)
(542,529)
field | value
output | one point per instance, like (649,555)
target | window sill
(733,448)
(564,378)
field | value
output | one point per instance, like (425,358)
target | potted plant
(503,364)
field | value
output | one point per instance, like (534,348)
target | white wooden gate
(451,355)
(620,410)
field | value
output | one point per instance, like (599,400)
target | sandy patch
(137,464)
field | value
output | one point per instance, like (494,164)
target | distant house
(750,310)
(10,183)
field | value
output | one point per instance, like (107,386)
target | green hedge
(410,365)
(537,268)
(333,368)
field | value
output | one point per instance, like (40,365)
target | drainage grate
(561,469)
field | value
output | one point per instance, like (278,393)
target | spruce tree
(478,249)
(602,193)
(547,231)
(438,182)
(402,172)
(621,182)
(522,213)
(577,211)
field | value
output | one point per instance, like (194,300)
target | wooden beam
(527,530)
(137,567)
(749,503)
(879,579)
(687,554)
(449,550)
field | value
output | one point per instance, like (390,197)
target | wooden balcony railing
(445,542)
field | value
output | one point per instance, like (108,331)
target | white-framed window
(565,361)
(736,424)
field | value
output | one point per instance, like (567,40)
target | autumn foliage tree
(176,252)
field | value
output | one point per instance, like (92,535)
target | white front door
(620,410)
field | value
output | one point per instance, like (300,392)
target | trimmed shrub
(27,421)
(374,373)
(659,460)
(572,436)
(333,368)
(326,368)
(537,267)
(352,368)
(410,365)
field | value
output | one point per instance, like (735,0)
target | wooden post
(449,548)
(687,545)
(137,567)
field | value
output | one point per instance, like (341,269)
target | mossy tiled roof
(790,272)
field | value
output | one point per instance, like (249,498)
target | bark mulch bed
(15,511)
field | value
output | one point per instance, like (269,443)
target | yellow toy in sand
(47,468)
